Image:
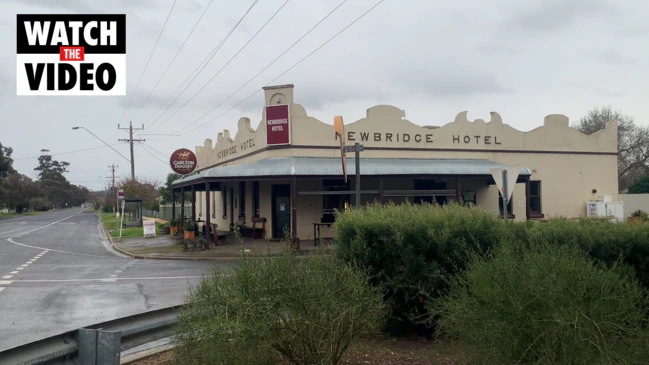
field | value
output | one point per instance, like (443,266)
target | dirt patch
(376,351)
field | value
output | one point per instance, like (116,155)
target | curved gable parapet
(386,127)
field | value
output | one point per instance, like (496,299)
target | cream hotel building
(285,175)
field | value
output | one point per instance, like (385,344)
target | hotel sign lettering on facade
(467,139)
(233,150)
(416,138)
(388,137)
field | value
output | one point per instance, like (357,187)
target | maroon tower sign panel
(278,125)
(183,161)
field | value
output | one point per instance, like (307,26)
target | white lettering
(277,121)
(75,31)
(108,32)
(40,30)
(86,33)
(59,36)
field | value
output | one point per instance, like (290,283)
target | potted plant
(174,226)
(190,229)
(639,216)
(164,228)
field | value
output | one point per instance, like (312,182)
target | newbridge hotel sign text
(417,138)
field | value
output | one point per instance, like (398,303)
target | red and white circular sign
(183,161)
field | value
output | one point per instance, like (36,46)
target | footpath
(164,247)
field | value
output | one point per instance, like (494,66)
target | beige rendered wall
(569,164)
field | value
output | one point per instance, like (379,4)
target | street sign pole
(505,195)
(357,149)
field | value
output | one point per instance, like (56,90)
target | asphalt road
(59,273)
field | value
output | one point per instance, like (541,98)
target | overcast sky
(523,59)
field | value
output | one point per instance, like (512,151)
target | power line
(282,74)
(161,153)
(149,60)
(152,155)
(270,64)
(229,61)
(205,65)
(173,59)
(69,152)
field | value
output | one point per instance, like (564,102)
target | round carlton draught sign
(183,161)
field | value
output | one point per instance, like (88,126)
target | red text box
(71,54)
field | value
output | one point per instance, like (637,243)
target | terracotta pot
(172,230)
(189,234)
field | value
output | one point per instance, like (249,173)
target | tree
(146,190)
(6,162)
(48,167)
(640,186)
(632,142)
(165,191)
(21,189)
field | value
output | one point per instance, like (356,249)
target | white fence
(633,202)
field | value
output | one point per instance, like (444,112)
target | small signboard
(278,124)
(120,194)
(149,228)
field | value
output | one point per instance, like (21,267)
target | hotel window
(430,185)
(255,198)
(509,206)
(332,202)
(535,197)
(224,202)
(242,199)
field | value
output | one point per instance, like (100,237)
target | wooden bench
(218,235)
(257,232)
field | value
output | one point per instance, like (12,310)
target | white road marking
(14,272)
(19,268)
(24,265)
(105,279)
(5,282)
(7,276)
(118,271)
(1,288)
(113,275)
(61,251)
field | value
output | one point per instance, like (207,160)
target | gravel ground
(379,351)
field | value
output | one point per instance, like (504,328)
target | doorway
(281,205)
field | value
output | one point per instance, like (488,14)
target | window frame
(534,213)
(242,199)
(224,202)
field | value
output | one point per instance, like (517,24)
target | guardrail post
(108,347)
(87,343)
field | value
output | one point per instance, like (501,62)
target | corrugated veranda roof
(327,166)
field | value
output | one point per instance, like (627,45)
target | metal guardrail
(101,343)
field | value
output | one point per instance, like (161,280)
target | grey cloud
(555,15)
(451,82)
(612,57)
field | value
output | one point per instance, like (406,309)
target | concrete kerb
(117,247)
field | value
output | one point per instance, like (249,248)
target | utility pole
(113,170)
(130,140)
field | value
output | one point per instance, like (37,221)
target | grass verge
(111,222)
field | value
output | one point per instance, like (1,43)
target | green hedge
(412,251)
(547,304)
(604,241)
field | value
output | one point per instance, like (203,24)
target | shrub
(547,305)
(306,311)
(604,241)
(413,250)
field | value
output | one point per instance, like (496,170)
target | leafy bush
(547,305)
(604,241)
(413,250)
(306,311)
